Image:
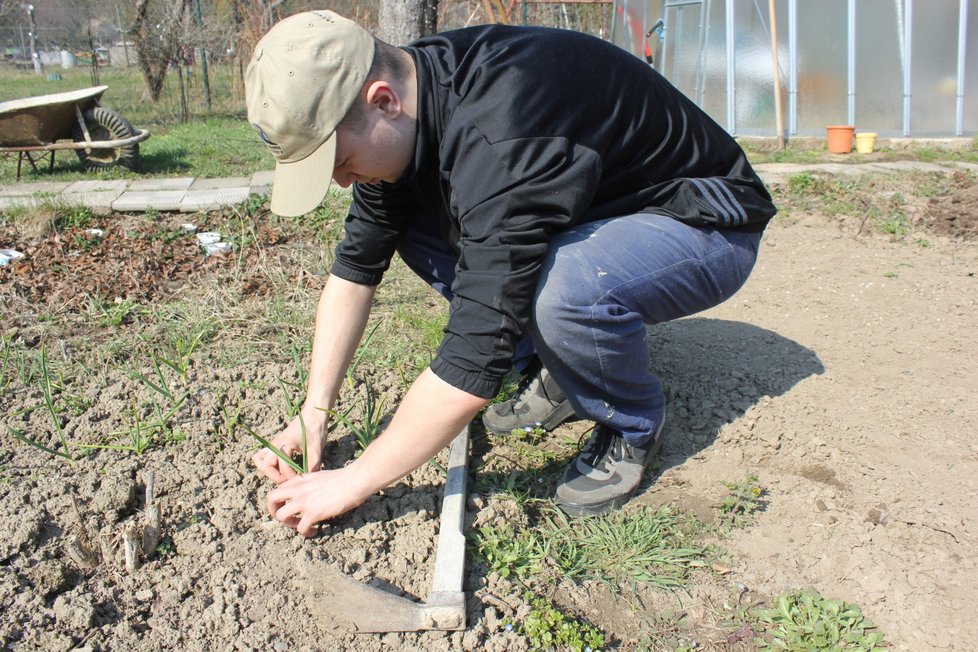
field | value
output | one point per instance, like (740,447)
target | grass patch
(623,549)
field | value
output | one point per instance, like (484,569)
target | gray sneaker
(538,403)
(606,473)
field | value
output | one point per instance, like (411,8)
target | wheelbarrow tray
(37,122)
(46,123)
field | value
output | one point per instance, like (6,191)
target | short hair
(387,63)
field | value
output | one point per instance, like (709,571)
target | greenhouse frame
(895,67)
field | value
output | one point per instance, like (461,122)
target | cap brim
(300,186)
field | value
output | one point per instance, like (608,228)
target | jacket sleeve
(373,225)
(509,199)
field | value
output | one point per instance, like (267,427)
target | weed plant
(744,499)
(804,621)
(547,628)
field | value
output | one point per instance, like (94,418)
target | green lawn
(210,144)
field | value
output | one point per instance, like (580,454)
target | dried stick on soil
(80,548)
(151,531)
(132,543)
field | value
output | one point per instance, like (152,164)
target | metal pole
(793,67)
(851,62)
(203,56)
(908,58)
(731,71)
(778,118)
(962,49)
(122,34)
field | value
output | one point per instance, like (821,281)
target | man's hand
(306,500)
(289,441)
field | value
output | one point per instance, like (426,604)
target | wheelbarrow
(35,128)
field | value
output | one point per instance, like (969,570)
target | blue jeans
(600,285)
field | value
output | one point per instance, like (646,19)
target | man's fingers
(267,464)
(275,501)
(307,527)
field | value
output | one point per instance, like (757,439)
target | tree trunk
(157,44)
(403,21)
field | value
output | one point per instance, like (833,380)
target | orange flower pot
(840,138)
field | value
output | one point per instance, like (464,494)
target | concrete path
(183,194)
(189,195)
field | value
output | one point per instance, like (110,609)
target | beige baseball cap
(304,76)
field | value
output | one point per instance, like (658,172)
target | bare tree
(161,34)
(402,21)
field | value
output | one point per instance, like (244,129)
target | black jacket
(522,133)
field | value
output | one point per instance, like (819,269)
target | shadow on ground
(714,371)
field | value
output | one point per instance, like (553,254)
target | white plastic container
(217,248)
(208,238)
(8,256)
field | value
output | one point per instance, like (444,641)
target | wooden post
(772,17)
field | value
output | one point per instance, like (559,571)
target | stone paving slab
(99,201)
(16,201)
(94,186)
(31,188)
(207,200)
(221,184)
(262,178)
(154,185)
(141,200)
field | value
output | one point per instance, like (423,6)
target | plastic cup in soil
(208,238)
(8,256)
(217,248)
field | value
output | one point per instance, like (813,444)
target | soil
(843,375)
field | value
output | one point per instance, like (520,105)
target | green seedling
(229,421)
(547,628)
(804,620)
(292,406)
(361,351)
(161,386)
(115,313)
(20,436)
(5,362)
(144,434)
(370,426)
(302,465)
(47,389)
(745,498)
(184,349)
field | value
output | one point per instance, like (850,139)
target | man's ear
(381,95)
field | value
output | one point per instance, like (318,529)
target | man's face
(378,151)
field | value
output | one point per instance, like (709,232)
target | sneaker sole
(561,413)
(608,506)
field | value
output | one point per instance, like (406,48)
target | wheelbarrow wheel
(105,124)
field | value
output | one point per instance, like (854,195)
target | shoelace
(531,373)
(597,445)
